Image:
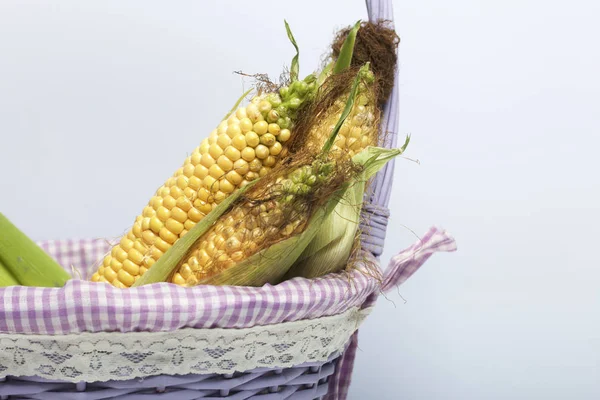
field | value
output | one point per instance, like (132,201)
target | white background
(101,100)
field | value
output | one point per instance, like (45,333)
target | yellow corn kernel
(241,167)
(248,154)
(174,226)
(207,160)
(225,163)
(261,127)
(169,202)
(216,172)
(200,171)
(284,135)
(245,125)
(179,214)
(195,215)
(163,213)
(232,153)
(239,142)
(262,151)
(125,278)
(252,139)
(132,268)
(167,235)
(268,139)
(274,129)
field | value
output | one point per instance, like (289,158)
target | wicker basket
(296,340)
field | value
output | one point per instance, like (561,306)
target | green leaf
(294,67)
(347,51)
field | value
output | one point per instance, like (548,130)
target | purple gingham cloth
(83,306)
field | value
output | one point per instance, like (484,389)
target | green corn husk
(26,261)
(330,249)
(6,278)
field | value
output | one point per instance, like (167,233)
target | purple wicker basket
(296,340)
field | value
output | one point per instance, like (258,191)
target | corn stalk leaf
(294,67)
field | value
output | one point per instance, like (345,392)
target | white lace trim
(106,356)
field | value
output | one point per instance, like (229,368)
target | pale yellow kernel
(225,163)
(211,184)
(182,181)
(250,176)
(237,256)
(255,165)
(202,257)
(261,151)
(261,127)
(189,224)
(212,138)
(222,127)
(340,141)
(131,267)
(245,125)
(233,130)
(131,236)
(219,196)
(120,254)
(225,186)
(115,265)
(244,183)
(137,229)
(269,161)
(204,146)
(118,284)
(167,235)
(186,271)
(148,237)
(224,141)
(232,244)
(176,192)
(264,106)
(203,195)
(174,226)
(161,246)
(126,243)
(169,201)
(216,172)
(234,178)
(252,139)
(215,151)
(194,215)
(178,279)
(204,207)
(275,149)
(355,132)
(107,259)
(148,211)
(350,143)
(233,120)
(125,278)
(179,215)
(232,153)
(171,182)
(239,142)
(155,224)
(268,139)
(241,113)
(163,191)
(219,241)
(140,246)
(241,166)
(194,183)
(284,135)
(196,157)
(188,170)
(184,203)
(253,113)
(200,171)
(207,160)
(248,154)
(274,129)
(163,213)
(150,261)
(109,274)
(344,130)
(135,256)
(156,202)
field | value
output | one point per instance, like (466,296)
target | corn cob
(244,146)
(274,211)
(245,229)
